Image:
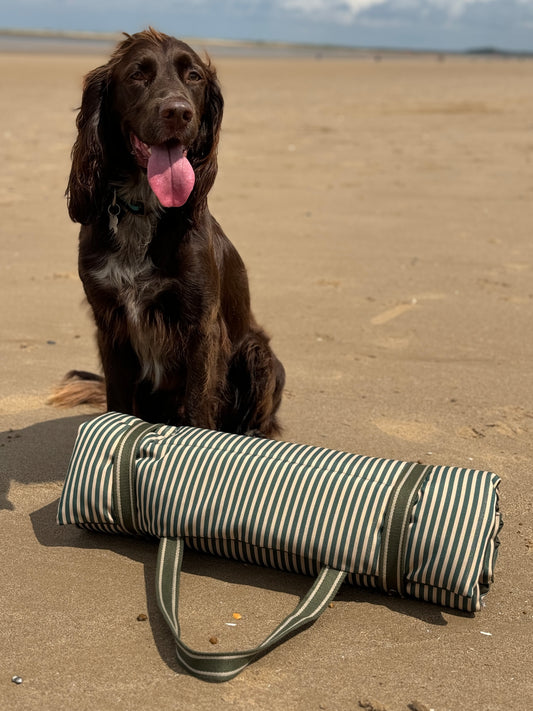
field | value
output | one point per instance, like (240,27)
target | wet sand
(383,209)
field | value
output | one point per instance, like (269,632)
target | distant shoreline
(51,41)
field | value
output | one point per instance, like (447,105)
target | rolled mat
(422,531)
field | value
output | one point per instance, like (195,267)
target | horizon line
(102,36)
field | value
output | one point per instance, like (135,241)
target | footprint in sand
(409,431)
(404,307)
(508,421)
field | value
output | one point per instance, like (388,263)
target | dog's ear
(214,108)
(204,158)
(85,185)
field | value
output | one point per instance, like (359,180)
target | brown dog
(168,290)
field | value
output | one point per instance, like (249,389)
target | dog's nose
(177,112)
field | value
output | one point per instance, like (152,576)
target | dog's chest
(135,284)
(132,279)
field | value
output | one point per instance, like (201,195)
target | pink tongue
(170,175)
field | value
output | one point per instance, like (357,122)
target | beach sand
(384,211)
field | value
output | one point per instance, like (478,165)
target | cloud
(344,11)
(349,10)
(311,6)
(336,10)
(445,24)
(422,24)
(352,8)
(487,21)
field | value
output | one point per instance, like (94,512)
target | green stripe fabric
(427,532)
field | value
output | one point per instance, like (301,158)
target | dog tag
(113,211)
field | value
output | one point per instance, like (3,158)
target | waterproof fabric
(429,532)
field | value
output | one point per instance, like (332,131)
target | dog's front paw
(255,433)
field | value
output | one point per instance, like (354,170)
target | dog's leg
(256,379)
(205,372)
(121,370)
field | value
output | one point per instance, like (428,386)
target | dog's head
(153,110)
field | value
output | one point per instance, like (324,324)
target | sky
(416,24)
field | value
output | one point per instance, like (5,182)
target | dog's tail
(79,387)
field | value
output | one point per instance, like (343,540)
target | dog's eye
(137,75)
(193,76)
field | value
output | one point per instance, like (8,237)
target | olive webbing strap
(222,666)
(396,527)
(124,496)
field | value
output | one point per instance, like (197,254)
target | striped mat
(429,532)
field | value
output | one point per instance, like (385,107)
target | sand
(383,209)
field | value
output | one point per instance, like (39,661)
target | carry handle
(222,666)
